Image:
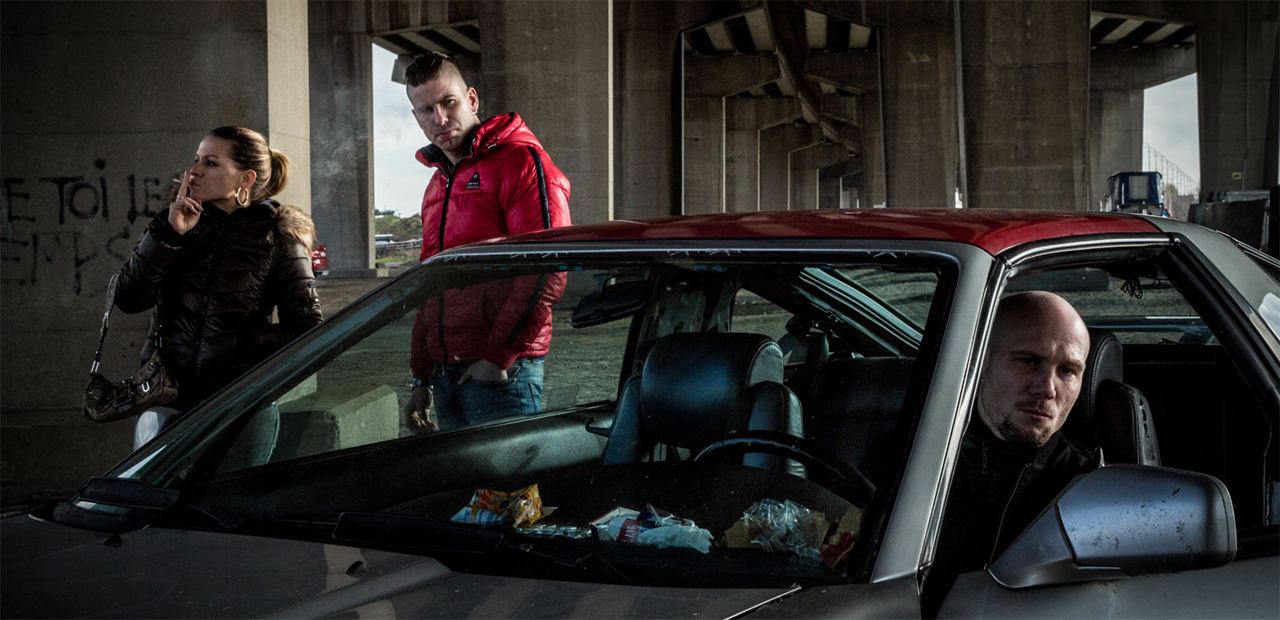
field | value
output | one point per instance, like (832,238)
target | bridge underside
(712,106)
(741,106)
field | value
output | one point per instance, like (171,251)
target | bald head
(1035,361)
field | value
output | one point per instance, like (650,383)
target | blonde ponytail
(274,184)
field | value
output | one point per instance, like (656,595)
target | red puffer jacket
(506,186)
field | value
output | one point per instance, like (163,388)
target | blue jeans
(253,446)
(477,402)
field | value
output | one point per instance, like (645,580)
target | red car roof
(992,230)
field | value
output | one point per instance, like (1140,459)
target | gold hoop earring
(244,202)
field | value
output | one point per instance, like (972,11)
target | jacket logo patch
(474,183)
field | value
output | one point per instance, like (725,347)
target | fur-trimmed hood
(293,222)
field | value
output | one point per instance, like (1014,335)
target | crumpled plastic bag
(690,536)
(773,526)
(491,508)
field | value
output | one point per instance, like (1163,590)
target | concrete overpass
(650,108)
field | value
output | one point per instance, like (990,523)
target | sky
(1170,123)
(1170,126)
(398,178)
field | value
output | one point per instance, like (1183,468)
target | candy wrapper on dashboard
(652,527)
(491,508)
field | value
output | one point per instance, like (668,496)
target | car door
(1198,340)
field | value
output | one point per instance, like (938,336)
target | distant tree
(408,228)
(403,228)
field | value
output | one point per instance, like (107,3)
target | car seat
(695,389)
(1109,413)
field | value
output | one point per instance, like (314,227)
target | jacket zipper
(204,314)
(1017,486)
(444,212)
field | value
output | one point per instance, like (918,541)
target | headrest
(1104,362)
(695,388)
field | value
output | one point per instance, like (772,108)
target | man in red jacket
(478,352)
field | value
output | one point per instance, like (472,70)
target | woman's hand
(185,211)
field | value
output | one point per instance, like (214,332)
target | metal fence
(1185,182)
(396,247)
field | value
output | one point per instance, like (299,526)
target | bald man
(1013,461)
(1033,370)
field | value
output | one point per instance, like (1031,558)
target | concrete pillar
(919,135)
(743,120)
(838,184)
(104,102)
(1026,85)
(858,72)
(342,115)
(873,161)
(710,84)
(648,106)
(776,144)
(741,156)
(1115,137)
(1237,57)
(703,144)
(805,165)
(548,60)
(288,96)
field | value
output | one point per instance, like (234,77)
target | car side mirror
(1123,520)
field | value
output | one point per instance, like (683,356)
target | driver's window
(1202,413)
(1160,388)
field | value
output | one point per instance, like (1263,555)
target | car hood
(50,570)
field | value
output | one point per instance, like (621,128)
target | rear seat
(854,401)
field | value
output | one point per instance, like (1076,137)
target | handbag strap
(106,318)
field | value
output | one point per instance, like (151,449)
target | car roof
(992,230)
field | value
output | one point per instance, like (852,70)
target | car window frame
(934,474)
(1227,311)
(1195,276)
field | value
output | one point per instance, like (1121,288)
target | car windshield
(666,417)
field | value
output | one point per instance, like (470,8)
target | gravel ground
(337,293)
(582,366)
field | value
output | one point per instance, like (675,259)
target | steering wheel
(822,466)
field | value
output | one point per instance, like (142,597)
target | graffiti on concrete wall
(50,223)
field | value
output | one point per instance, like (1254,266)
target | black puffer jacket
(997,491)
(216,288)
